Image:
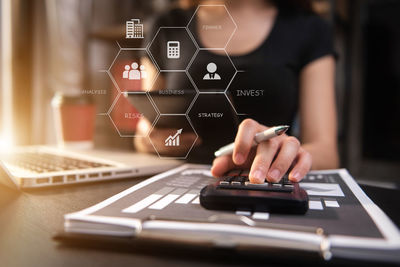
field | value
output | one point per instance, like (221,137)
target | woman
(287,50)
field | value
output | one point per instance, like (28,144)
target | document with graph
(341,217)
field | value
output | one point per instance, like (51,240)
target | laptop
(43,166)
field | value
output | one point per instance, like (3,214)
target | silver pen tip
(281,129)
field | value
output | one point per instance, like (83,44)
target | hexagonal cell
(130,73)
(212,70)
(173,92)
(215,121)
(125,116)
(212,26)
(102,90)
(173,136)
(249,94)
(172,48)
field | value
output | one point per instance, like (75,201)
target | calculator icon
(173,49)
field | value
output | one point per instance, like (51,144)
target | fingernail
(296,175)
(274,174)
(239,158)
(259,176)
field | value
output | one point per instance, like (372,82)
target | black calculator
(235,192)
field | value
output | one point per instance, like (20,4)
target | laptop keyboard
(42,162)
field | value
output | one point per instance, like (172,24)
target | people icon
(134,72)
(212,75)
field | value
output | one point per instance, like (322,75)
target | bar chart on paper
(181,190)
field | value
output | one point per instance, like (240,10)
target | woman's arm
(318,125)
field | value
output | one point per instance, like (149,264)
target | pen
(258,138)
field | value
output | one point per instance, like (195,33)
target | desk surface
(28,221)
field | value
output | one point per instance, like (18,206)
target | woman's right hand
(156,135)
(269,160)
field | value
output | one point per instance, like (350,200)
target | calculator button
(239,179)
(268,187)
(224,183)
(289,186)
(236,183)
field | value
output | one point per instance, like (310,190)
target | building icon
(134,29)
(173,140)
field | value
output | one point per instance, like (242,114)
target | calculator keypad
(239,180)
(235,192)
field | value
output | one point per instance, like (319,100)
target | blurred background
(54,46)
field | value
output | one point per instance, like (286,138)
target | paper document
(169,203)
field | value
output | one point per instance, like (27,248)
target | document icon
(173,140)
(134,29)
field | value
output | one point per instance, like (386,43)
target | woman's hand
(157,136)
(269,160)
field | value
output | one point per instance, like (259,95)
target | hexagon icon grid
(175,51)
(217,35)
(172,48)
(175,136)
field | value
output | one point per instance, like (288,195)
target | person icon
(143,72)
(212,75)
(134,73)
(125,74)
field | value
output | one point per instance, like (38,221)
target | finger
(221,165)
(265,154)
(244,140)
(302,166)
(287,154)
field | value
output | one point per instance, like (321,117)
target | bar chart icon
(134,29)
(174,140)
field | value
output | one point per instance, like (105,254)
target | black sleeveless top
(265,86)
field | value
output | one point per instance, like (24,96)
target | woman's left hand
(269,160)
